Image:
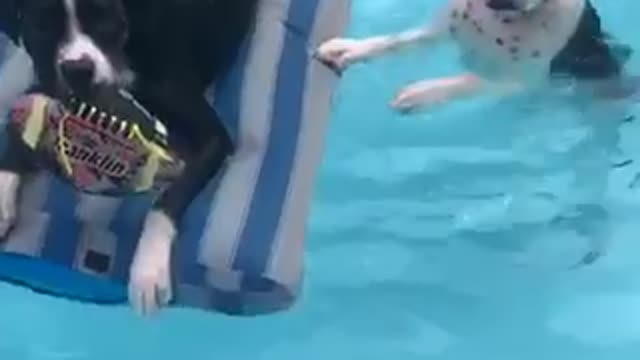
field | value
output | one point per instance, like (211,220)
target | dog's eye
(108,32)
(51,7)
(104,21)
(44,22)
(97,10)
(43,13)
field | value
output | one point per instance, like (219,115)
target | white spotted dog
(505,45)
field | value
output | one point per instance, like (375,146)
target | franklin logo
(103,163)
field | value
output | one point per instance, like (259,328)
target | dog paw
(340,53)
(420,95)
(150,273)
(432,92)
(9,184)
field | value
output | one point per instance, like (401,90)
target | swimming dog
(166,53)
(505,45)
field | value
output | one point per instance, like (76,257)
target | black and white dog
(166,52)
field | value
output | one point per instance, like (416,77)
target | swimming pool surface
(445,235)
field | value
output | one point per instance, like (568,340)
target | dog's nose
(501,5)
(78,74)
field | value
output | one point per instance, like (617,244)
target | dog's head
(513,5)
(75,45)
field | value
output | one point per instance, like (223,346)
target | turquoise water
(433,236)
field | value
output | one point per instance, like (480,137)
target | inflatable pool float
(242,243)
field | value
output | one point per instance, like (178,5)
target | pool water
(446,235)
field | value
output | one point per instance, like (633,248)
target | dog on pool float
(507,45)
(165,54)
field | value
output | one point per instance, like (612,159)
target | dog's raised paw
(150,273)
(9,185)
(341,52)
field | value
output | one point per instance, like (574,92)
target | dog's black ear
(10,18)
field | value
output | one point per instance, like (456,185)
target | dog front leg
(150,273)
(9,187)
(341,52)
(432,92)
(15,161)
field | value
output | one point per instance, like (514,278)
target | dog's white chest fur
(498,44)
